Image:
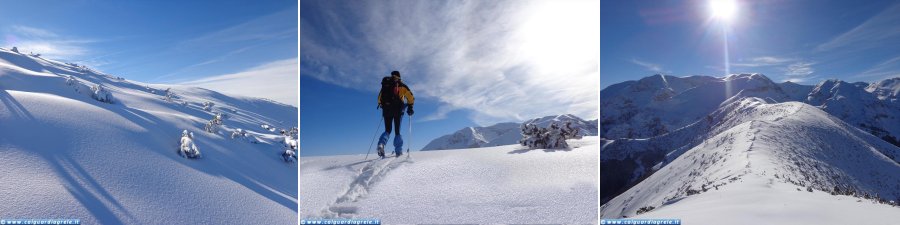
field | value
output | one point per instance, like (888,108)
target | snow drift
(502,184)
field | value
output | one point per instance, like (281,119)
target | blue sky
(469,63)
(804,41)
(236,47)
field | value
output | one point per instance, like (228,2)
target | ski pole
(373,137)
(410,136)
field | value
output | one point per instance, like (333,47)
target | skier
(390,101)
(187,148)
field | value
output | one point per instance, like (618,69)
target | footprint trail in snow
(365,179)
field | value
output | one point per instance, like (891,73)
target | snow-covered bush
(101,94)
(208,106)
(268,127)
(242,134)
(170,95)
(293,133)
(290,142)
(77,86)
(289,155)
(552,137)
(213,123)
(186,147)
(238,133)
(70,80)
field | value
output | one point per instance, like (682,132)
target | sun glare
(559,35)
(723,10)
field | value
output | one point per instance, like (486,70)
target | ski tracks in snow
(364,180)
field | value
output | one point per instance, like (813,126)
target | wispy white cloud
(794,70)
(763,61)
(800,69)
(45,42)
(264,28)
(217,59)
(440,114)
(234,40)
(649,66)
(502,60)
(886,69)
(275,80)
(874,32)
(27,31)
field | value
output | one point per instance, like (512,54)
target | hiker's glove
(409,110)
(378,107)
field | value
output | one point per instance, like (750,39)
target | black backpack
(388,96)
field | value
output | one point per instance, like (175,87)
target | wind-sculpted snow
(67,155)
(501,184)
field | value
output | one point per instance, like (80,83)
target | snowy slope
(475,137)
(502,184)
(766,152)
(856,105)
(504,133)
(67,155)
(888,89)
(774,203)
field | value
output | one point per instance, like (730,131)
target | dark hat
(395,73)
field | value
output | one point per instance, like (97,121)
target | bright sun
(723,10)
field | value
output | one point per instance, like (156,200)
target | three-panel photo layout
(450,112)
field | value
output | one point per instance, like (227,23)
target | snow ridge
(759,145)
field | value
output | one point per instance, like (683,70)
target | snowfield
(502,184)
(67,155)
(759,200)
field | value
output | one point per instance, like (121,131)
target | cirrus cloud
(503,60)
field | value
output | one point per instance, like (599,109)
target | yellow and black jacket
(392,94)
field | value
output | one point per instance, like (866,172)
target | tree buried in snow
(289,154)
(552,137)
(207,106)
(101,94)
(214,122)
(186,145)
(170,95)
(242,134)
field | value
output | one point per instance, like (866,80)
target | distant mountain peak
(503,133)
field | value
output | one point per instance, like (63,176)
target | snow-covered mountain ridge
(749,137)
(659,104)
(788,144)
(115,161)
